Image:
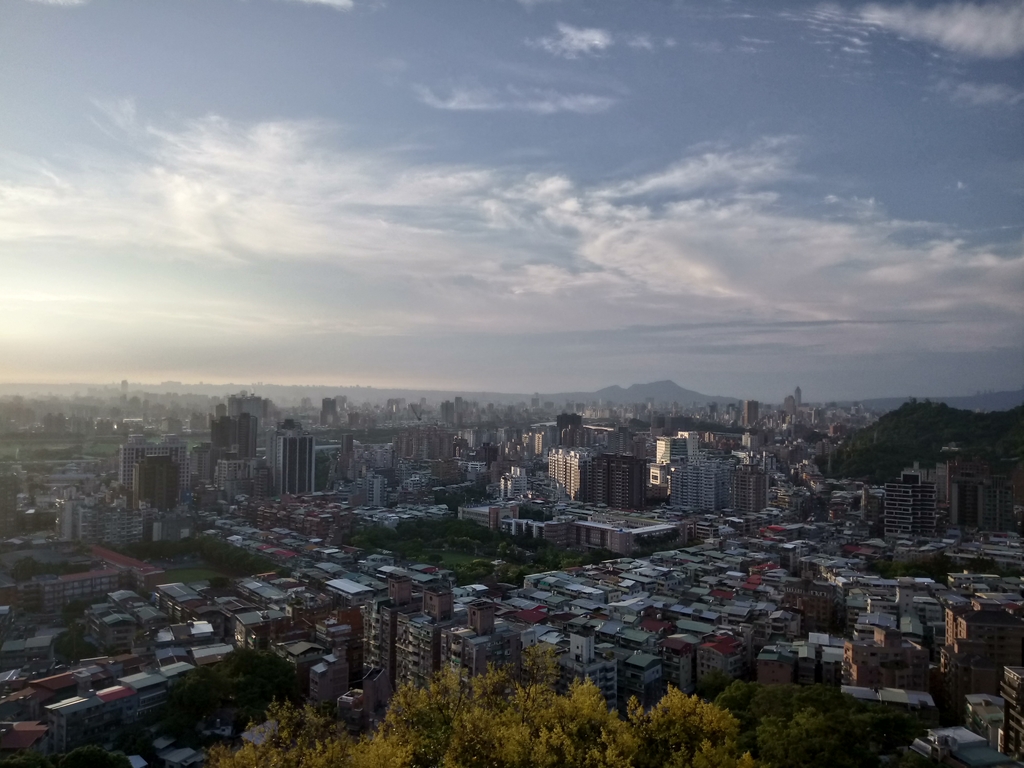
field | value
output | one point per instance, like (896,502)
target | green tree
(72,646)
(91,756)
(712,684)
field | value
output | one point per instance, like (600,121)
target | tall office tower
(224,433)
(789,405)
(749,488)
(10,487)
(978,499)
(702,485)
(246,431)
(136,449)
(571,472)
(750,412)
(909,506)
(328,412)
(246,403)
(460,411)
(220,410)
(798,397)
(448,413)
(683,446)
(620,481)
(156,482)
(570,429)
(291,454)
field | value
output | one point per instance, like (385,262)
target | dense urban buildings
(376,546)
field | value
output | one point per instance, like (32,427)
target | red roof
(532,616)
(654,625)
(115,693)
(22,735)
(123,561)
(723,645)
(722,594)
(54,682)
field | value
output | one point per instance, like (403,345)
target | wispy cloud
(572,42)
(341,5)
(982,94)
(711,236)
(536,100)
(989,30)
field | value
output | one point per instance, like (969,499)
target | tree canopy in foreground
(502,721)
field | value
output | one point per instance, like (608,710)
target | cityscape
(511,384)
(159,543)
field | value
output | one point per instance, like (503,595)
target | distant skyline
(515,195)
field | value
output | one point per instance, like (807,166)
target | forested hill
(917,431)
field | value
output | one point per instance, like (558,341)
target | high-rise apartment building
(570,429)
(909,506)
(424,443)
(157,482)
(1012,691)
(749,488)
(620,481)
(703,485)
(10,487)
(979,644)
(978,499)
(137,449)
(570,469)
(290,453)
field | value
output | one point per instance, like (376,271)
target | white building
(683,447)
(514,483)
(703,485)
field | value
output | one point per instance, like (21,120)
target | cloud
(573,42)
(538,101)
(61,2)
(982,94)
(341,5)
(335,243)
(988,30)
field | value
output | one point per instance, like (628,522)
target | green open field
(187,575)
(453,558)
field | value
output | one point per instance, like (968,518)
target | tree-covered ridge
(918,431)
(501,720)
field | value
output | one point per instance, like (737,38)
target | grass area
(190,574)
(454,558)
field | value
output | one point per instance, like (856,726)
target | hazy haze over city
(514,196)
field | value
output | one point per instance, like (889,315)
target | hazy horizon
(515,196)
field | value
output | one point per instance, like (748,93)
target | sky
(514,195)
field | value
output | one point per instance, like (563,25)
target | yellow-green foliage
(502,721)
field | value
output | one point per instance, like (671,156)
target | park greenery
(919,431)
(215,552)
(508,720)
(472,550)
(938,567)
